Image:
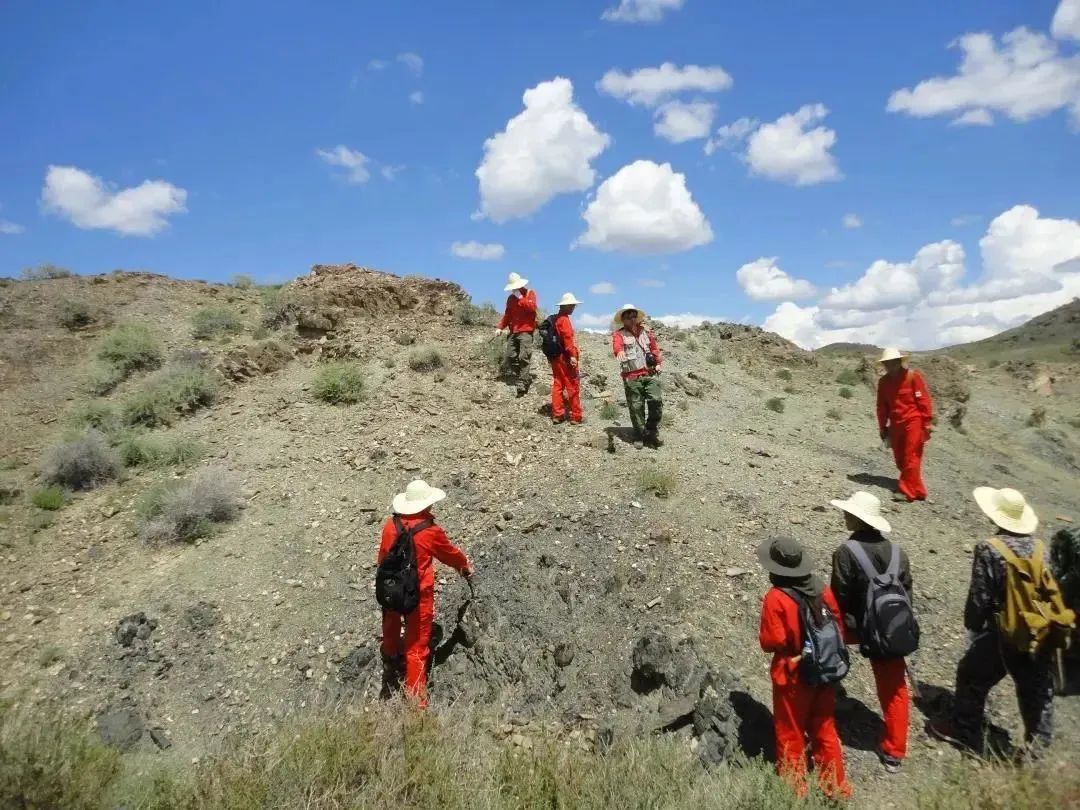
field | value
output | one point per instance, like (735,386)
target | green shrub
(609,411)
(784,374)
(49,498)
(775,404)
(848,377)
(279,308)
(493,352)
(155,451)
(211,322)
(187,511)
(692,344)
(339,382)
(716,357)
(45,272)
(242,281)
(790,389)
(425,358)
(834,413)
(404,339)
(655,480)
(994,363)
(846,393)
(130,347)
(172,392)
(74,313)
(83,463)
(469,314)
(49,655)
(99,415)
(1037,417)
(102,378)
(1074,422)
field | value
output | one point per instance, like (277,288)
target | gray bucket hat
(784,556)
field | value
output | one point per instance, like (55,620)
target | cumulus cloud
(852,221)
(1021,240)
(1022,77)
(686,320)
(412,61)
(791,149)
(1066,23)
(680,121)
(763,280)
(481,251)
(595,323)
(645,208)
(978,117)
(602,288)
(731,135)
(9,228)
(545,150)
(889,284)
(651,86)
(90,203)
(646,11)
(353,162)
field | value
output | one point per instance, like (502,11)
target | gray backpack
(889,628)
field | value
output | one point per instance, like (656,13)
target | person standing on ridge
(519,320)
(905,412)
(562,352)
(638,354)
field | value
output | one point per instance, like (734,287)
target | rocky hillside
(617,590)
(1054,335)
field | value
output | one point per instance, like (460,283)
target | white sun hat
(865,507)
(893,354)
(417,497)
(617,319)
(568,300)
(515,282)
(1007,508)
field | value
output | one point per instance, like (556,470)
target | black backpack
(550,342)
(889,628)
(397,581)
(825,658)
(1065,564)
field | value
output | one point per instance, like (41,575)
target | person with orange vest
(904,412)
(412,512)
(638,354)
(800,710)
(519,321)
(565,367)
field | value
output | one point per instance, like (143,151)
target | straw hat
(417,497)
(617,319)
(893,354)
(1007,508)
(865,507)
(568,300)
(515,282)
(784,556)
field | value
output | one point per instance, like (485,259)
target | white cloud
(978,117)
(852,221)
(649,11)
(478,250)
(645,208)
(602,288)
(679,121)
(763,280)
(9,228)
(92,204)
(390,172)
(686,320)
(651,282)
(416,97)
(1019,240)
(786,150)
(890,284)
(731,135)
(545,150)
(652,86)
(594,322)
(354,162)
(378,65)
(414,62)
(1022,78)
(1066,23)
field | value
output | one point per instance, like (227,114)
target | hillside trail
(275,614)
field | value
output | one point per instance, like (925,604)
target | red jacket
(781,632)
(520,313)
(565,330)
(430,542)
(903,398)
(617,347)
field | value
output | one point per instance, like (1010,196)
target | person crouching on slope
(905,412)
(519,319)
(638,354)
(800,710)
(412,513)
(565,371)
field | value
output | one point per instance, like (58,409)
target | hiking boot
(891,764)
(577,421)
(946,731)
(558,420)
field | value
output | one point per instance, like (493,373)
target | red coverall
(520,313)
(800,710)
(430,542)
(565,379)
(905,408)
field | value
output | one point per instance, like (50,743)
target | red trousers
(907,440)
(801,711)
(417,627)
(892,692)
(565,382)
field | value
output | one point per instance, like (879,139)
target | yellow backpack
(1033,618)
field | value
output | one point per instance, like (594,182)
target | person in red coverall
(565,371)
(800,711)
(413,509)
(904,412)
(519,319)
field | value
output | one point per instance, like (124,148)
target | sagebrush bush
(716,357)
(469,314)
(73,313)
(99,415)
(846,393)
(790,389)
(834,413)
(609,411)
(1037,418)
(140,450)
(848,377)
(692,344)
(49,498)
(339,382)
(172,392)
(279,308)
(658,481)
(784,374)
(187,511)
(130,347)
(425,358)
(242,281)
(493,352)
(45,272)
(82,463)
(101,378)
(211,322)
(775,404)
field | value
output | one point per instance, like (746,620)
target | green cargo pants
(646,404)
(518,358)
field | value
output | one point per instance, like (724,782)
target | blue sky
(285,134)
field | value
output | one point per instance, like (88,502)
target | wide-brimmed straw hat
(784,556)
(617,319)
(417,497)
(515,282)
(865,507)
(568,300)
(892,354)
(1007,508)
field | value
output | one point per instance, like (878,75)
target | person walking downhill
(638,354)
(801,708)
(871,579)
(904,412)
(519,320)
(1017,623)
(565,364)
(413,520)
